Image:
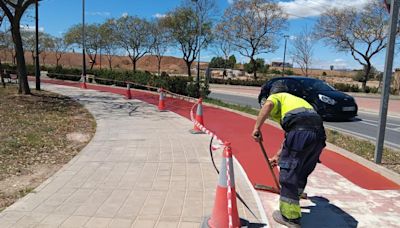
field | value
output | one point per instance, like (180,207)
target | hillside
(169,64)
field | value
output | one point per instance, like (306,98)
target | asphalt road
(364,126)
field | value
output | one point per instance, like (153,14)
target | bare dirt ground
(39,134)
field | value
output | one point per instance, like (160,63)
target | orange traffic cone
(199,118)
(83,83)
(161,102)
(225,213)
(128,91)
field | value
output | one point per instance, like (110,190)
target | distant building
(280,64)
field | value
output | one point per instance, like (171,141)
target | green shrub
(359,76)
(274,71)
(346,87)
(192,90)
(371,89)
(230,81)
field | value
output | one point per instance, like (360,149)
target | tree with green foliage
(231,61)
(217,62)
(253,27)
(6,44)
(183,27)
(161,41)
(363,33)
(59,48)
(134,35)
(260,66)
(14,10)
(109,41)
(360,75)
(220,62)
(93,40)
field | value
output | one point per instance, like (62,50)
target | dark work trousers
(300,154)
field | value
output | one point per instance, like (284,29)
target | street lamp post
(284,55)
(37,67)
(83,43)
(198,44)
(387,74)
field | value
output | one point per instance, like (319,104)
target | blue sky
(56,16)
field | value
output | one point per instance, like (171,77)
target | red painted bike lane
(237,129)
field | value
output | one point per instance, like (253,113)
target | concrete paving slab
(142,170)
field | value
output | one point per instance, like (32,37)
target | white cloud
(124,14)
(101,14)
(159,15)
(230,1)
(31,28)
(311,8)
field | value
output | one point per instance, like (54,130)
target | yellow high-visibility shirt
(284,103)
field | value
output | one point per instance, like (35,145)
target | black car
(326,100)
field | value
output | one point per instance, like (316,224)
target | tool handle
(269,164)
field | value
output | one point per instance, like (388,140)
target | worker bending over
(304,141)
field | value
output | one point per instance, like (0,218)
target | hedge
(180,85)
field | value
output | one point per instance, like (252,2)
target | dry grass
(33,138)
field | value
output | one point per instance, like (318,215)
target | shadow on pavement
(325,214)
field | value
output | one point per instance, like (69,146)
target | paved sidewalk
(336,202)
(143,170)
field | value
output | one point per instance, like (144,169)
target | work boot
(284,221)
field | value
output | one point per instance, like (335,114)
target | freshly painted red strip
(356,173)
(237,129)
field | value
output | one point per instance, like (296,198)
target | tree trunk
(33,57)
(253,62)
(188,65)
(57,61)
(367,71)
(159,58)
(134,65)
(21,65)
(14,58)
(109,58)
(92,65)
(306,71)
(2,75)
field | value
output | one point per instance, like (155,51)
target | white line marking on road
(376,122)
(389,126)
(368,123)
(377,114)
